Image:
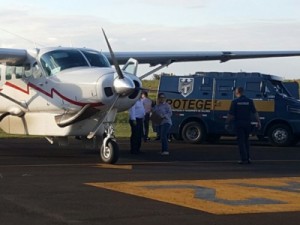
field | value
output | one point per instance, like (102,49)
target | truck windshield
(279,88)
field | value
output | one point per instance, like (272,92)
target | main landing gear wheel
(109,153)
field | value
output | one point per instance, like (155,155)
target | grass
(122,130)
(5,135)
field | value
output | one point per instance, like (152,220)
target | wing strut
(22,104)
(156,69)
(92,133)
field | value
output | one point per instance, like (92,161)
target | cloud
(23,27)
(172,3)
(86,31)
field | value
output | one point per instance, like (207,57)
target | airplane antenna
(19,36)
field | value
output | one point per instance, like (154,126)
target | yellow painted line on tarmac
(114,166)
(107,166)
(232,196)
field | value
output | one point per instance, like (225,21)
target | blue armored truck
(293,88)
(200,104)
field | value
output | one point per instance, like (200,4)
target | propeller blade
(114,60)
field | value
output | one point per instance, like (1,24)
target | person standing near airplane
(147,102)
(136,117)
(241,111)
(164,111)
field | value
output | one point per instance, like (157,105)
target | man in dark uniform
(241,112)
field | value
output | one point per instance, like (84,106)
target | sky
(162,25)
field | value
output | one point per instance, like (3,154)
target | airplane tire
(110,154)
(193,132)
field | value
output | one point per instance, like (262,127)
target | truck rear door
(222,97)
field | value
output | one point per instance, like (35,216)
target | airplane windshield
(58,60)
(96,58)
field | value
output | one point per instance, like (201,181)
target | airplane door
(38,89)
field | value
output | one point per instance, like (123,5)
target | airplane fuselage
(49,96)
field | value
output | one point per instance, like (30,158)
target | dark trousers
(243,131)
(136,135)
(146,126)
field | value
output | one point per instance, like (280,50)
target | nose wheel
(109,152)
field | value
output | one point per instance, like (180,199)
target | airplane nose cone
(124,86)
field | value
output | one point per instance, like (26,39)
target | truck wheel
(193,132)
(110,153)
(280,135)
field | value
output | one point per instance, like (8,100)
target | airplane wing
(17,56)
(156,58)
(12,56)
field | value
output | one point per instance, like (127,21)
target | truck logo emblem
(186,86)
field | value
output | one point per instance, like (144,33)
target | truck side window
(253,86)
(253,90)
(224,88)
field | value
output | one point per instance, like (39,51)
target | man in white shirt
(147,102)
(136,117)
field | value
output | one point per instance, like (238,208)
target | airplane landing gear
(109,151)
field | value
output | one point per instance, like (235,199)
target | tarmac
(197,184)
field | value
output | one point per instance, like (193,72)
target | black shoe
(157,139)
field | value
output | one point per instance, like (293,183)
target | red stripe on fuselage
(26,91)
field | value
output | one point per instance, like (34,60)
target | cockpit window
(58,60)
(95,58)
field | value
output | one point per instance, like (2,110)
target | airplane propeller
(114,60)
(123,86)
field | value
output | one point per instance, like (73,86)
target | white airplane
(74,92)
